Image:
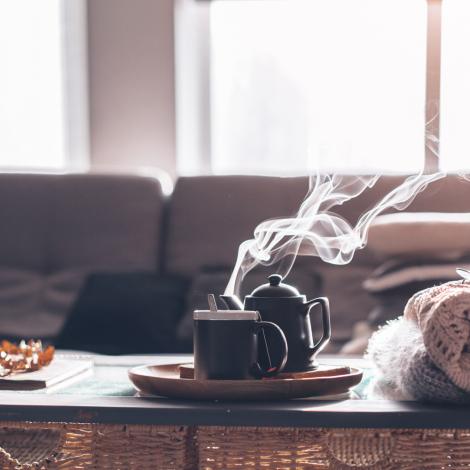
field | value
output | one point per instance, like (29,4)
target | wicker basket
(77,446)
(294,448)
(93,446)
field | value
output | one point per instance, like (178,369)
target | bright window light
(31,85)
(455,86)
(334,85)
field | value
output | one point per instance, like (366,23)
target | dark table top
(108,397)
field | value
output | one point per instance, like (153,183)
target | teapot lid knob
(274,279)
(275,288)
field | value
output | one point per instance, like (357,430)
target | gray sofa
(56,230)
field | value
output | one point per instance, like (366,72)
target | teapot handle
(325,311)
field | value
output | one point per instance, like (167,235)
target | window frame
(433,84)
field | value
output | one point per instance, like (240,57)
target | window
(43,124)
(321,84)
(335,85)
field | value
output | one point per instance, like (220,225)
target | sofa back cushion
(211,215)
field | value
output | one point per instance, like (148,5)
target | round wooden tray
(164,380)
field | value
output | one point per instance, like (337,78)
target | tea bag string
(212,302)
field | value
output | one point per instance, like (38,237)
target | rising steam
(316,230)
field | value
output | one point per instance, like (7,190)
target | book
(59,370)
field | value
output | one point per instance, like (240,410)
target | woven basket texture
(95,446)
(98,446)
(336,449)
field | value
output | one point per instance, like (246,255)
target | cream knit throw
(443,316)
(425,354)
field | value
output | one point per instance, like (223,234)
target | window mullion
(433,84)
(75,82)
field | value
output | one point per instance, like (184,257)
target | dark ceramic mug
(226,345)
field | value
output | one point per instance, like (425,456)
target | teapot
(283,305)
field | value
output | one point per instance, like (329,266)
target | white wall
(132,91)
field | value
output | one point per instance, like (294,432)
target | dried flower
(25,357)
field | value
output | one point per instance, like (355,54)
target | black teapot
(282,304)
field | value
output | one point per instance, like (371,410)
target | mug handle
(273,369)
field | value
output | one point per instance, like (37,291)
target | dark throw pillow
(125,313)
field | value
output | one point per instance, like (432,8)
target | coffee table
(102,422)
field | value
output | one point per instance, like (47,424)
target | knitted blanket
(425,354)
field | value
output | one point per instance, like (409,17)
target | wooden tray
(164,380)
(187,372)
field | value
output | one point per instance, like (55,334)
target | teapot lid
(275,288)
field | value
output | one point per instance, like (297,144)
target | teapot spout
(232,302)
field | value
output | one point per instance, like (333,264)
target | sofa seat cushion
(36,305)
(119,313)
